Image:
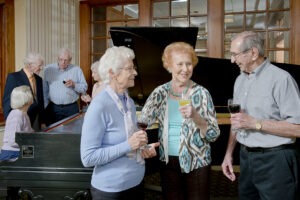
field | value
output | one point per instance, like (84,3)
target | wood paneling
(145,13)
(108,2)
(9,36)
(215,28)
(295,32)
(8,44)
(85,42)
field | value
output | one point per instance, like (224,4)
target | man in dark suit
(27,76)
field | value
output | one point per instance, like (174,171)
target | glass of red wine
(233,107)
(142,124)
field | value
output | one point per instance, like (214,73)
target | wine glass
(142,124)
(184,100)
(86,99)
(233,108)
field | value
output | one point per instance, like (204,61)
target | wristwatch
(258,125)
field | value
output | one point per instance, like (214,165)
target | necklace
(179,94)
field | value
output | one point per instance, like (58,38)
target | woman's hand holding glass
(147,150)
(86,98)
(185,106)
(150,151)
(138,139)
(142,124)
(184,100)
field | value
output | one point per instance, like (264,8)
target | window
(105,17)
(183,13)
(270,17)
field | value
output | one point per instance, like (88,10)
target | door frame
(7,45)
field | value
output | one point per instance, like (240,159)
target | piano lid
(148,44)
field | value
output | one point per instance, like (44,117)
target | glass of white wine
(184,100)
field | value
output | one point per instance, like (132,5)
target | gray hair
(95,65)
(33,57)
(114,59)
(251,39)
(63,51)
(20,96)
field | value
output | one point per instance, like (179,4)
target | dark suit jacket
(36,110)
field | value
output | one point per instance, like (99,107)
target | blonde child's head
(20,97)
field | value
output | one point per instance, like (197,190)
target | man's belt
(268,149)
(63,105)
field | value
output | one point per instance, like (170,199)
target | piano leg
(12,193)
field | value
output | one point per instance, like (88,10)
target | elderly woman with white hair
(28,75)
(110,141)
(17,120)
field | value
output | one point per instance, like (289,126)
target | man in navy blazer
(27,76)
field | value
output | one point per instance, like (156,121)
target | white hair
(64,51)
(114,59)
(20,96)
(33,57)
(95,65)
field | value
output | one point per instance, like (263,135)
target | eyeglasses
(63,60)
(129,69)
(235,55)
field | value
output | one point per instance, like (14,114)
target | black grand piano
(49,166)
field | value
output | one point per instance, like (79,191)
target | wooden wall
(7,55)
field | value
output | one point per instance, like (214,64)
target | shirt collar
(28,73)
(65,69)
(259,69)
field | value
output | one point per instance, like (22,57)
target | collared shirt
(267,93)
(54,88)
(32,80)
